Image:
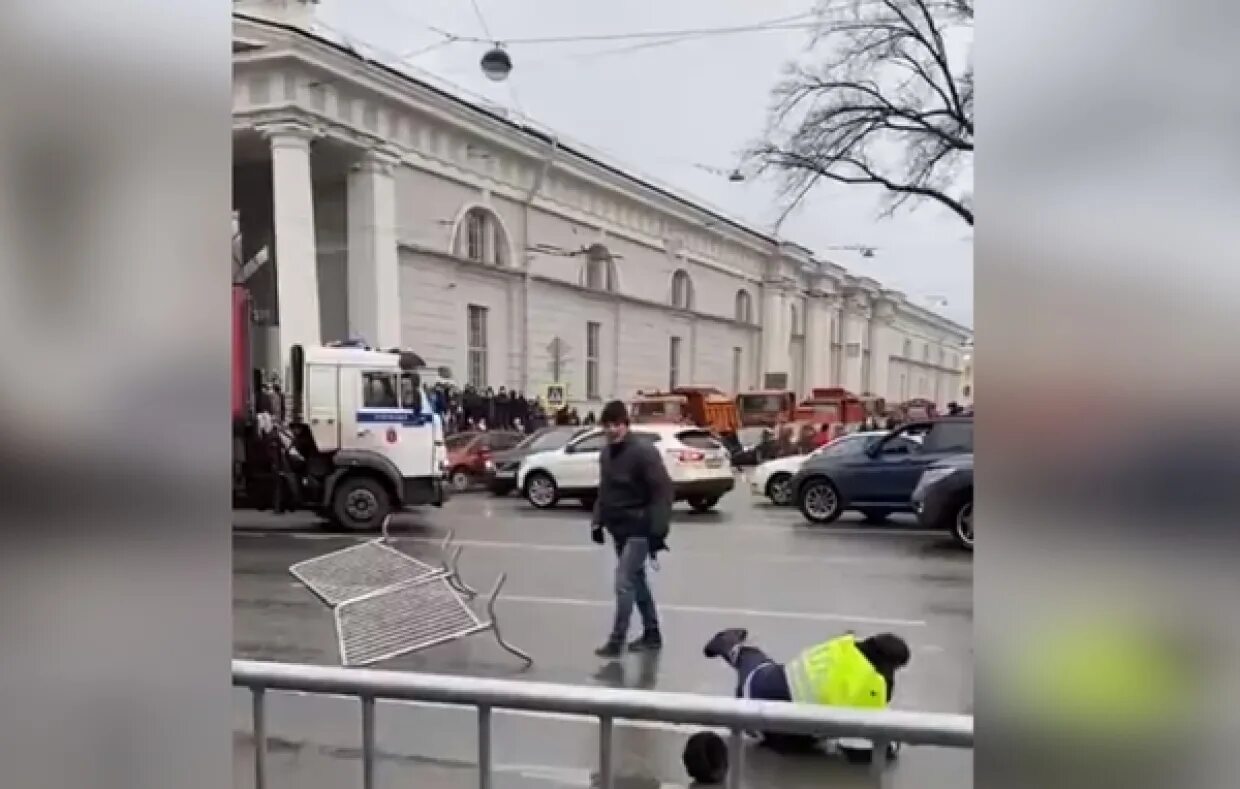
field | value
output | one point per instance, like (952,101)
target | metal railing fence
(605,705)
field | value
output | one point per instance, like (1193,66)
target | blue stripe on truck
(395,417)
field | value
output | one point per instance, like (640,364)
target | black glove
(657,544)
(596,534)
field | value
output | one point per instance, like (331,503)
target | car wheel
(460,480)
(819,501)
(875,516)
(703,503)
(541,490)
(779,489)
(360,503)
(962,524)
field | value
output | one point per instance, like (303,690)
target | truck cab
(765,408)
(361,440)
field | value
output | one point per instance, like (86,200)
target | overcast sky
(664,110)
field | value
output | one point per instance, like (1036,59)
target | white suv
(698,465)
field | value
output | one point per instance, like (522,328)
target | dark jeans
(632,587)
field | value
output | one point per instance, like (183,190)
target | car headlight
(933,475)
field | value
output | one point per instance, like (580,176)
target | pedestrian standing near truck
(634,505)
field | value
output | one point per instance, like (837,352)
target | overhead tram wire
(482,22)
(780,23)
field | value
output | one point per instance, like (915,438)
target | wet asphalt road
(748,565)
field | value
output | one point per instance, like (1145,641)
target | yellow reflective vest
(836,673)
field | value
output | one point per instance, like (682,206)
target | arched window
(481,238)
(908,349)
(744,306)
(599,271)
(682,290)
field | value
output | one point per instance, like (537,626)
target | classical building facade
(400,214)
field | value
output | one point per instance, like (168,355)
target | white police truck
(354,439)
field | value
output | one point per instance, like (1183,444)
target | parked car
(773,478)
(696,462)
(879,479)
(469,452)
(501,469)
(943,498)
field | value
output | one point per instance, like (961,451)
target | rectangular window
(673,367)
(379,390)
(738,359)
(593,334)
(475,236)
(477,345)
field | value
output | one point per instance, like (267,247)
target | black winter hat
(706,758)
(614,413)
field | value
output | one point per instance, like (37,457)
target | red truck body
(240,352)
(831,406)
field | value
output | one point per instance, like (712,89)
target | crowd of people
(471,408)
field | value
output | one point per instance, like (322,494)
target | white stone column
(374,267)
(296,261)
(881,345)
(817,341)
(776,333)
(855,328)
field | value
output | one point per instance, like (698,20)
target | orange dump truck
(703,406)
(766,408)
(832,406)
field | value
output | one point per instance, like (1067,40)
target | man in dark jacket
(634,504)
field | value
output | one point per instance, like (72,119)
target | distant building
(402,214)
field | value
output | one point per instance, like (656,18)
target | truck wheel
(819,501)
(703,503)
(779,489)
(360,503)
(541,490)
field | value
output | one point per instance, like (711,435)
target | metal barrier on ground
(604,705)
(386,603)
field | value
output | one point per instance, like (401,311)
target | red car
(469,452)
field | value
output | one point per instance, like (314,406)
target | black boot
(650,641)
(614,648)
(724,642)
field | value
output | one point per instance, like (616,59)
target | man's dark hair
(706,758)
(614,413)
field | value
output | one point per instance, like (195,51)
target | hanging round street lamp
(496,64)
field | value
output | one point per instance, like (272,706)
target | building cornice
(511,273)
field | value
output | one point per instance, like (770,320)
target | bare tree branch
(886,105)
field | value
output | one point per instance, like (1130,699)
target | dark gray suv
(878,479)
(944,498)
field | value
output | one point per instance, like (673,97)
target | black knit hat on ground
(614,413)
